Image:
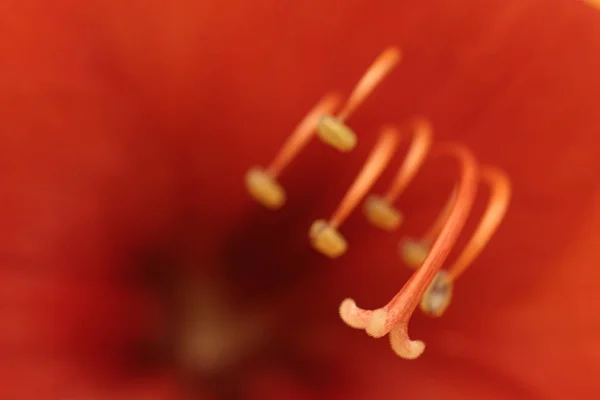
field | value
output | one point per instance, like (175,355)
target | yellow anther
(382,214)
(265,189)
(333,130)
(413,252)
(336,134)
(327,239)
(437,298)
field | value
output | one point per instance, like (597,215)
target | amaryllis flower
(135,265)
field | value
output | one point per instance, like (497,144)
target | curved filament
(380,68)
(421,142)
(500,192)
(394,317)
(435,229)
(378,160)
(305,130)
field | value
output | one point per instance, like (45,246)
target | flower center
(212,336)
(429,286)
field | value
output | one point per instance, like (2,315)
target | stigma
(431,285)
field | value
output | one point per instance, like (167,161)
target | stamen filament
(263,184)
(333,130)
(393,318)
(378,160)
(500,193)
(305,130)
(324,234)
(421,142)
(380,210)
(380,68)
(435,229)
(437,297)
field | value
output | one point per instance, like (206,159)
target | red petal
(116,116)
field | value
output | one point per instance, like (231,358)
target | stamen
(438,295)
(333,130)
(380,210)
(439,223)
(380,68)
(262,184)
(324,235)
(500,193)
(393,318)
